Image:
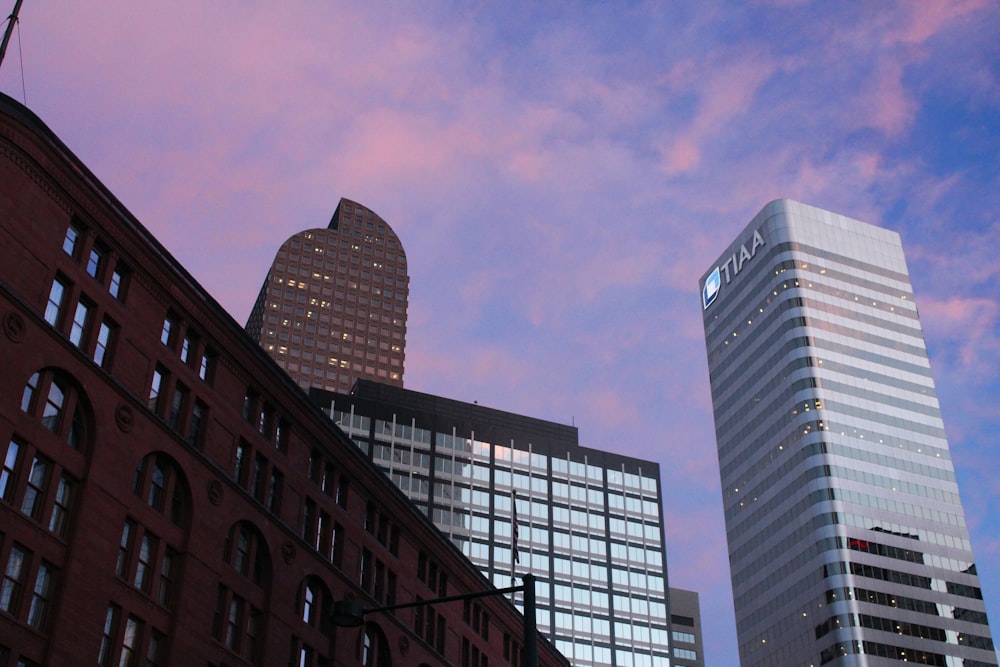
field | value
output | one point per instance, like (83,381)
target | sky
(560,175)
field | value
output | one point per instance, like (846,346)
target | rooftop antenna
(11,21)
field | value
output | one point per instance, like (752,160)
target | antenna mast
(11,20)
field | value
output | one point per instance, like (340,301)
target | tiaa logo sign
(732,266)
(711,289)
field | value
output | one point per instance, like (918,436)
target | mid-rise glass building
(847,538)
(520,495)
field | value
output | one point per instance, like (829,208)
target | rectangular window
(155,387)
(165,332)
(163,591)
(322,531)
(56,297)
(94,261)
(177,403)
(310,526)
(305,656)
(233,623)
(106,652)
(265,419)
(8,477)
(220,606)
(104,336)
(342,494)
(130,642)
(240,465)
(155,649)
(258,481)
(326,482)
(198,413)
(121,565)
(281,435)
(80,320)
(250,407)
(10,589)
(60,507)
(204,365)
(253,629)
(117,285)
(72,240)
(186,345)
(366,570)
(378,590)
(337,545)
(144,564)
(275,484)
(34,492)
(40,597)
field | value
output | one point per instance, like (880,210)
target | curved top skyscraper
(332,308)
(847,539)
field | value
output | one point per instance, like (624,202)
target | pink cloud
(616,409)
(893,41)
(682,155)
(928,17)
(725,91)
(886,103)
(696,545)
(971,325)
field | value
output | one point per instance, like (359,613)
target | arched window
(309,606)
(374,647)
(247,553)
(59,404)
(159,482)
(239,617)
(315,603)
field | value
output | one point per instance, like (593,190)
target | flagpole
(514,546)
(515,556)
(12,19)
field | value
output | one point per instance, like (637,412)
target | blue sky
(561,174)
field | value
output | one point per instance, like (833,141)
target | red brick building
(168,495)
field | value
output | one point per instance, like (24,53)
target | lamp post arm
(351,613)
(450,598)
(530,627)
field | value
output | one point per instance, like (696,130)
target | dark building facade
(333,305)
(168,495)
(519,493)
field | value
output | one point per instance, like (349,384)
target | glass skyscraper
(520,495)
(847,539)
(333,305)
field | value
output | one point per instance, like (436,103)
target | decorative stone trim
(215,492)
(14,327)
(124,417)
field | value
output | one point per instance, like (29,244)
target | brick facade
(169,496)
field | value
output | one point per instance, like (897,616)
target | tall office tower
(518,494)
(333,305)
(847,539)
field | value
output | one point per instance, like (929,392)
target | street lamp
(350,613)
